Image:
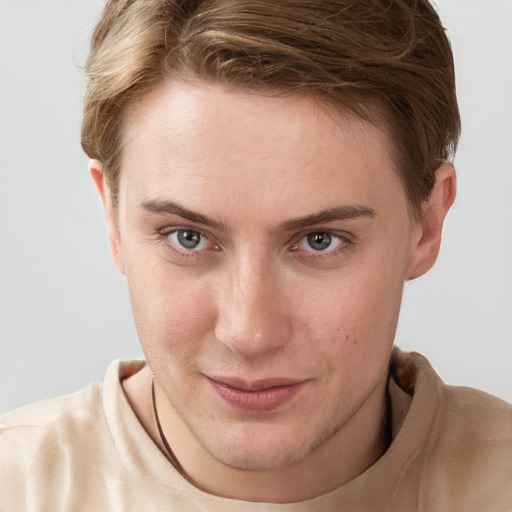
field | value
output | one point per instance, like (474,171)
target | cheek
(354,301)
(171,311)
(353,317)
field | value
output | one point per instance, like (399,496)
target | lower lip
(263,400)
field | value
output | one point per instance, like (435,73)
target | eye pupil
(319,241)
(189,239)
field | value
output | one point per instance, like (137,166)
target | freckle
(354,340)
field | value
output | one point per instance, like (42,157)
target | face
(266,244)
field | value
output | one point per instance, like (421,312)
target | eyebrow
(172,208)
(345,212)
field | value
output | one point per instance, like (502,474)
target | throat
(327,465)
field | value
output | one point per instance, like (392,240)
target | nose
(252,316)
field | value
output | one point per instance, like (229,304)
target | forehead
(193,141)
(201,105)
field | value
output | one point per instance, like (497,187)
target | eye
(188,240)
(320,241)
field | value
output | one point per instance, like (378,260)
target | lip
(257,396)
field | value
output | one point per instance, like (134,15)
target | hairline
(355,112)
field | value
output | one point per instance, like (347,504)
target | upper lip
(257,384)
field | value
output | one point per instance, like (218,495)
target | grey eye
(320,241)
(188,239)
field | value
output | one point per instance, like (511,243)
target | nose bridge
(252,320)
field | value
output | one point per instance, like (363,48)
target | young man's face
(266,244)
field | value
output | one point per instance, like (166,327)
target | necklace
(170,454)
(387,431)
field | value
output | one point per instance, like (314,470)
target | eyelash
(163,235)
(345,241)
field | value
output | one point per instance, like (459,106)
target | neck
(347,454)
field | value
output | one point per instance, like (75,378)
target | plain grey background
(64,310)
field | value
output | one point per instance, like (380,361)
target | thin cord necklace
(170,454)
(387,436)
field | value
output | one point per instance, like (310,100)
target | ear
(116,248)
(426,249)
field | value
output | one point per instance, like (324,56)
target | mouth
(256,396)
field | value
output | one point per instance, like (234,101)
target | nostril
(251,337)
(252,317)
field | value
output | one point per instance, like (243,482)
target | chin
(263,451)
(261,458)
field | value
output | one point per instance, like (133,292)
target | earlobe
(426,249)
(116,248)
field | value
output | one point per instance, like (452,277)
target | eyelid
(167,230)
(346,240)
(343,235)
(163,235)
(334,240)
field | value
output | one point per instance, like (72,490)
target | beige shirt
(88,452)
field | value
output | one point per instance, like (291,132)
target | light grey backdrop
(64,310)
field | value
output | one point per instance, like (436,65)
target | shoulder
(475,425)
(63,423)
(66,416)
(468,411)
(49,447)
(47,412)
(46,431)
(485,412)
(471,449)
(465,454)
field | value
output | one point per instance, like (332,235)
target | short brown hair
(388,61)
